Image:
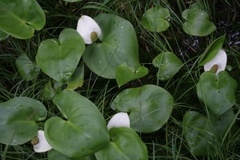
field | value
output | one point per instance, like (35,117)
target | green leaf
(81,132)
(197,22)
(217,92)
(149,107)
(204,134)
(55,155)
(20,18)
(18,118)
(77,78)
(48,91)
(26,68)
(212,50)
(59,59)
(168,64)
(125,145)
(155,19)
(3,35)
(125,74)
(118,45)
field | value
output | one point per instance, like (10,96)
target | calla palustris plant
(18,117)
(40,143)
(168,65)
(88,29)
(125,144)
(212,50)
(156,19)
(120,119)
(149,107)
(59,58)
(204,133)
(219,62)
(217,92)
(197,22)
(20,18)
(116,55)
(81,132)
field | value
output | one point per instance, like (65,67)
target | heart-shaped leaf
(59,59)
(204,134)
(27,69)
(19,18)
(217,92)
(118,45)
(168,64)
(149,107)
(125,145)
(18,118)
(155,19)
(124,73)
(211,50)
(198,23)
(82,130)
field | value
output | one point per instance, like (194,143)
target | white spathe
(220,60)
(120,119)
(87,27)
(42,145)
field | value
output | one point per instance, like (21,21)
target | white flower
(40,143)
(219,62)
(88,29)
(119,120)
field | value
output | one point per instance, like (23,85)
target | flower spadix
(88,29)
(218,63)
(40,143)
(120,119)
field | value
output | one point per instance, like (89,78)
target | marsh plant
(170,105)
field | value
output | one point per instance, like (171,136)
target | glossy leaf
(20,18)
(125,145)
(26,68)
(77,78)
(3,35)
(168,64)
(18,118)
(118,45)
(124,73)
(155,19)
(197,22)
(212,50)
(203,134)
(149,107)
(217,91)
(59,59)
(82,130)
